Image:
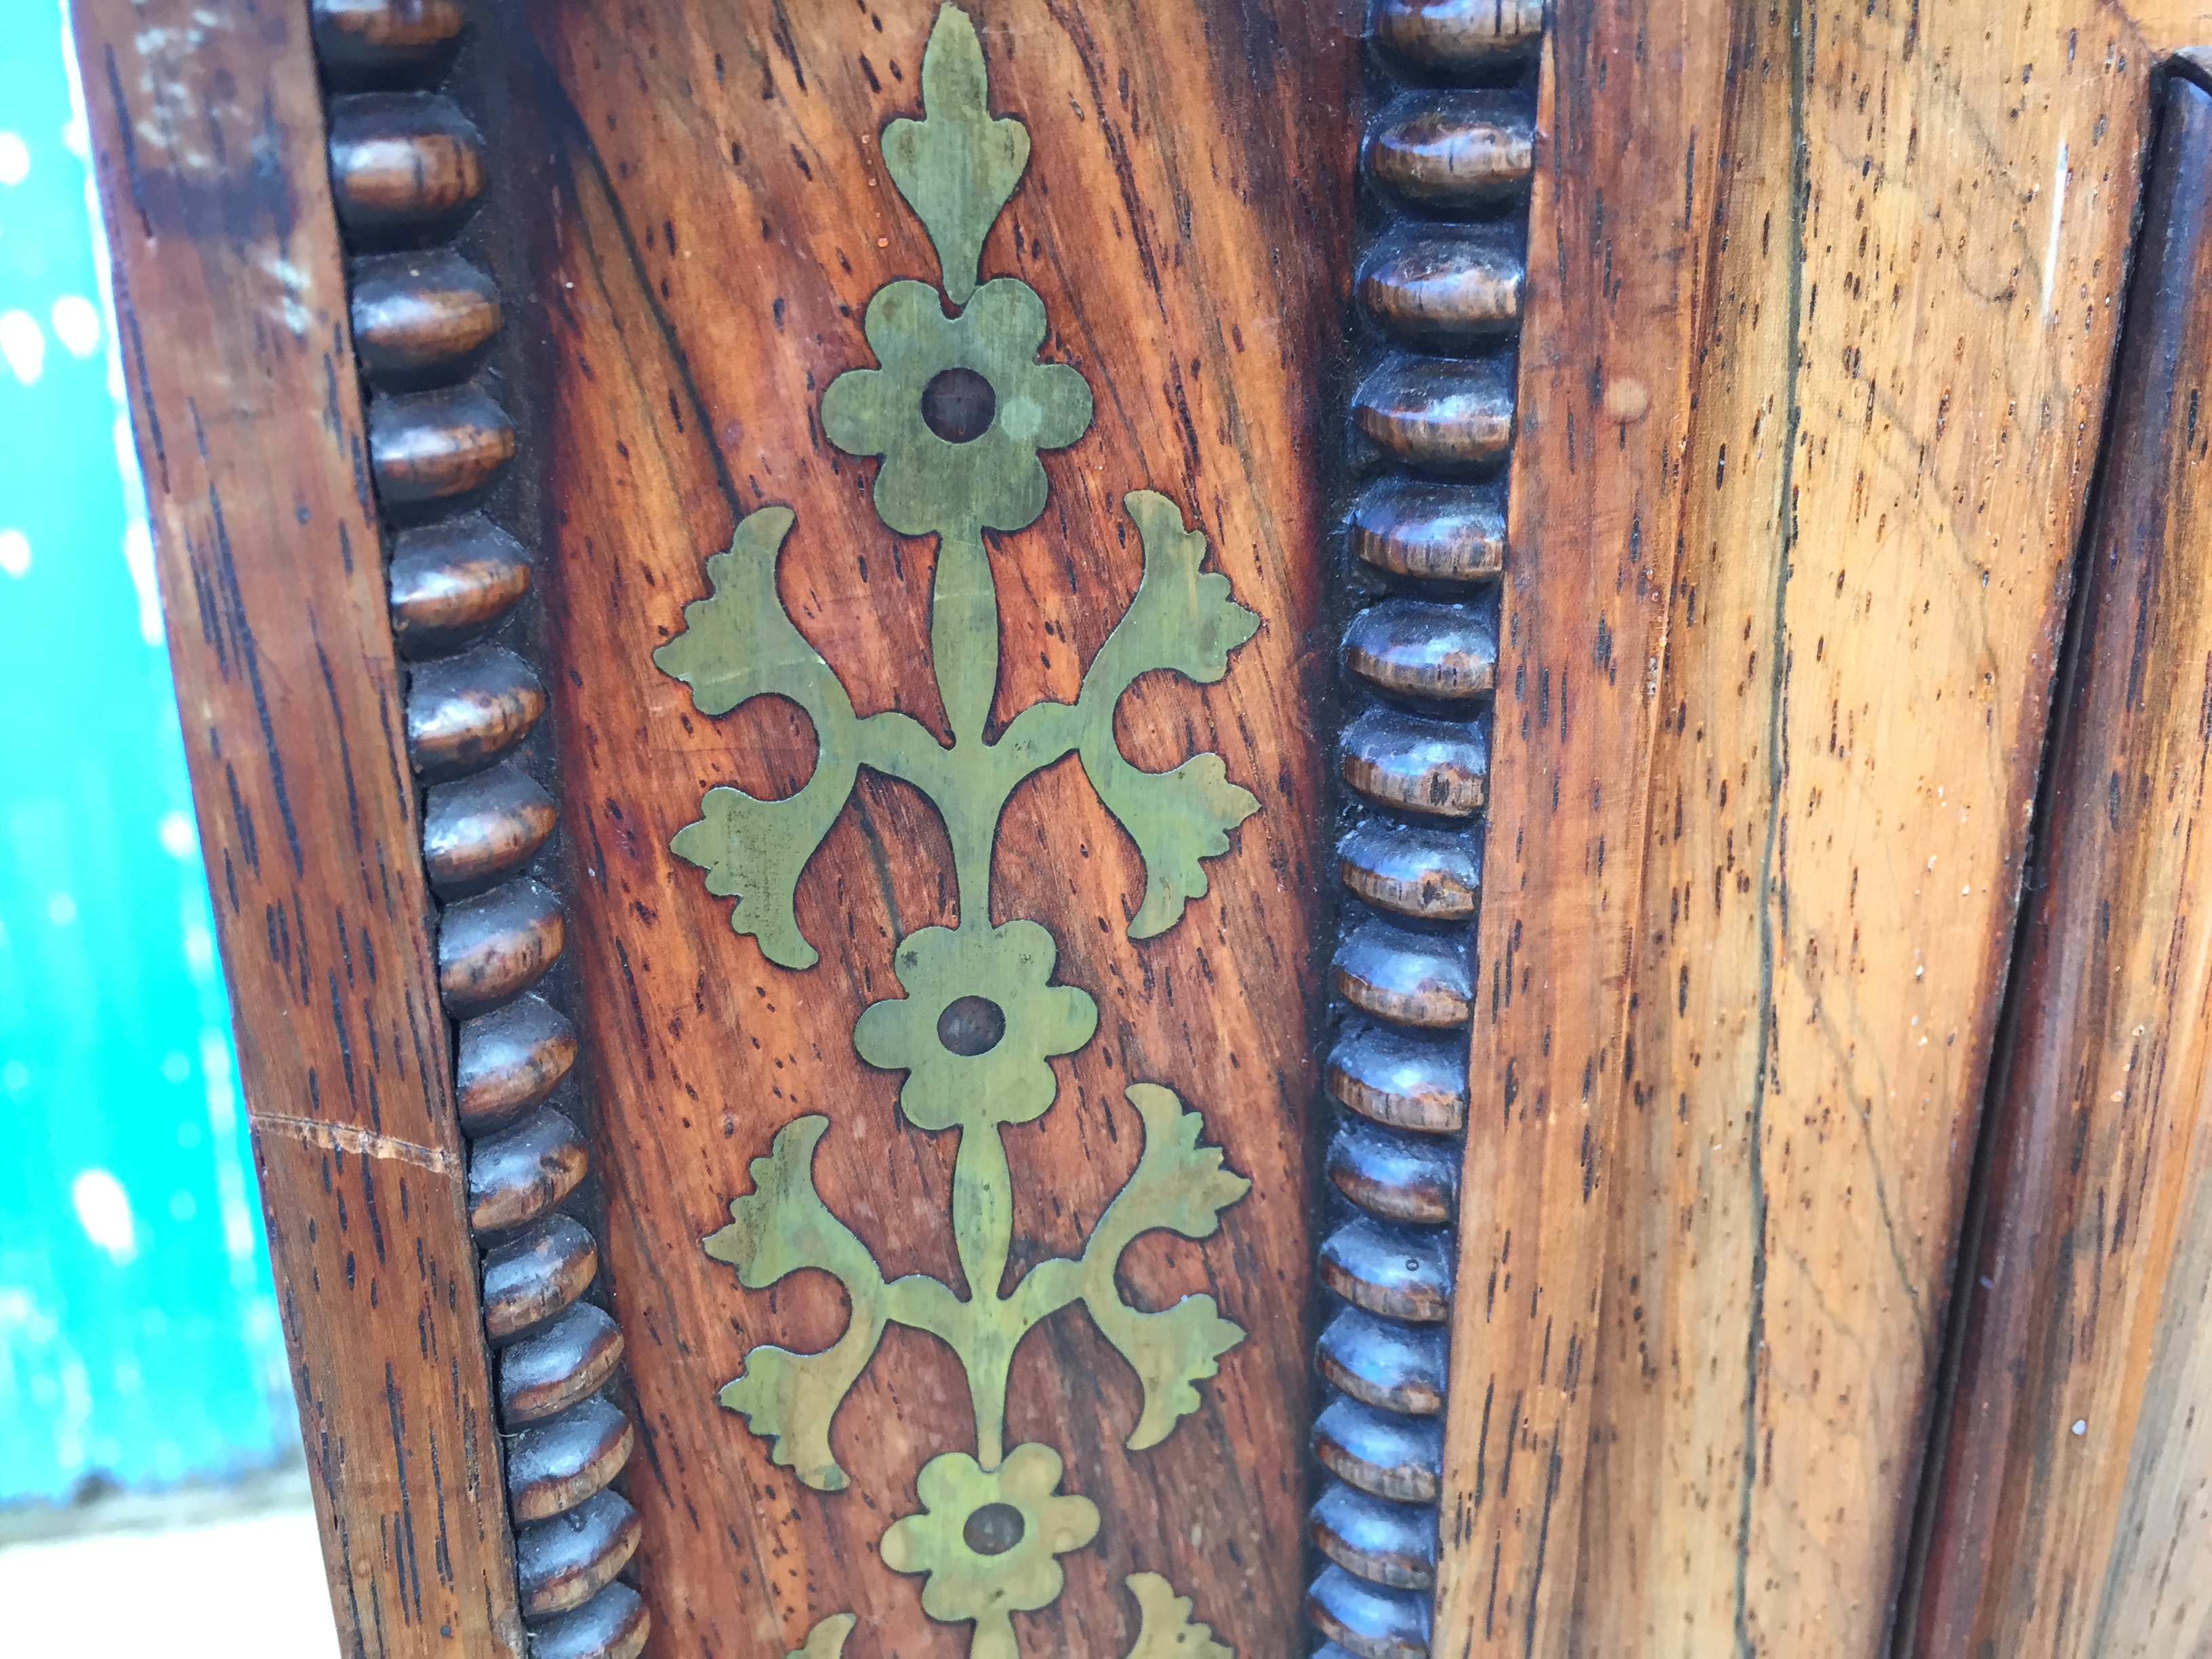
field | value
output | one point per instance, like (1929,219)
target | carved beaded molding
(958,412)
(407,168)
(1446,168)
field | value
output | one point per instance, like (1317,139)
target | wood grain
(721,221)
(2070,1513)
(207,128)
(1903,359)
(1616,281)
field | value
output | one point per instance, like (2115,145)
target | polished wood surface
(1617,287)
(207,128)
(1902,373)
(2070,1512)
(719,222)
(1833,460)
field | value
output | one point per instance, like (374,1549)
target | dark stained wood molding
(2074,1397)
(1448,157)
(411,168)
(207,134)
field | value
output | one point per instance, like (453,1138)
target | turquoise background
(138,1336)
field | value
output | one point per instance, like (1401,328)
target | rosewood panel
(724,212)
(208,130)
(2070,1513)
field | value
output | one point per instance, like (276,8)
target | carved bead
(1396,1367)
(432,446)
(452,579)
(613,1625)
(533,1276)
(551,1370)
(562,1562)
(511,1060)
(1437,766)
(403,165)
(1399,1458)
(477,830)
(1421,648)
(1406,977)
(1383,1542)
(495,947)
(1460,37)
(1434,875)
(1456,152)
(358,39)
(554,1466)
(1445,286)
(1397,1176)
(1434,532)
(516,1176)
(1399,1080)
(420,317)
(465,712)
(1396,1271)
(1367,1621)
(1446,414)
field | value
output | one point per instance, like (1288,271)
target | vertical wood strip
(1630,92)
(2069,1517)
(1901,385)
(206,129)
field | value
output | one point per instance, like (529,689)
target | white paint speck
(23,343)
(76,324)
(2058,172)
(2080,1425)
(178,839)
(15,553)
(61,909)
(103,1210)
(14,158)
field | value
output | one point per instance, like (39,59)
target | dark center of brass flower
(993,1529)
(957,405)
(971,1026)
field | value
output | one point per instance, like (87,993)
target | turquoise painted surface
(138,1335)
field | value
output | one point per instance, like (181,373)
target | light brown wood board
(1901,300)
(208,136)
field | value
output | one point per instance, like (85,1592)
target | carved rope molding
(408,169)
(1446,165)
(956,413)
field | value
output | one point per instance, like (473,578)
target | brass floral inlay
(958,411)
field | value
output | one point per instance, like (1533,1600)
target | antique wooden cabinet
(1487,717)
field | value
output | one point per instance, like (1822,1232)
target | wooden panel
(1900,387)
(208,129)
(1889,273)
(1618,282)
(2069,1519)
(722,220)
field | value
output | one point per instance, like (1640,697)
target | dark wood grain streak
(207,128)
(2067,1519)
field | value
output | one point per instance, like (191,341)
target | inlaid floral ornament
(959,408)
(978,1026)
(989,1540)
